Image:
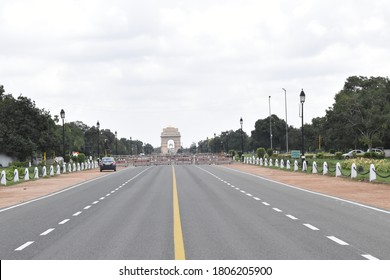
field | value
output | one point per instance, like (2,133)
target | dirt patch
(373,194)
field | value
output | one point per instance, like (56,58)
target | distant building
(170,140)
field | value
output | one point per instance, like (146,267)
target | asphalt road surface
(191,212)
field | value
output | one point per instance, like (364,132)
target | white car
(351,154)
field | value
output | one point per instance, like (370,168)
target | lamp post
(302,99)
(285,106)
(270,122)
(116,142)
(215,143)
(131,148)
(62,113)
(242,138)
(98,127)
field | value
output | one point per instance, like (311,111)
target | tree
(361,111)
(261,135)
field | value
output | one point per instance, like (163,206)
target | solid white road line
(310,227)
(64,221)
(24,246)
(338,241)
(47,232)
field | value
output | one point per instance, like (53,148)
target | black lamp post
(302,99)
(98,140)
(285,105)
(62,113)
(116,142)
(131,147)
(215,143)
(242,138)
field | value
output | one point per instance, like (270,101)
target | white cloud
(139,66)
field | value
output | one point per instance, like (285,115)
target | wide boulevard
(191,212)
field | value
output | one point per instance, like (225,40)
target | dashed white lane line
(77,213)
(338,241)
(248,194)
(310,227)
(256,198)
(108,194)
(266,204)
(87,207)
(95,202)
(25,245)
(64,221)
(47,231)
(291,217)
(102,198)
(369,257)
(243,191)
(277,210)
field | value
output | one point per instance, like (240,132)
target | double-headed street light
(62,113)
(302,97)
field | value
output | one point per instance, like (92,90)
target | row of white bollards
(325,170)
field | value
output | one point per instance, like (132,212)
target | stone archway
(170,140)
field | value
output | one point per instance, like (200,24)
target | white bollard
(314,171)
(69,167)
(58,169)
(338,169)
(304,166)
(282,164)
(78,167)
(3,180)
(372,173)
(74,167)
(296,165)
(325,168)
(44,174)
(16,175)
(82,166)
(51,171)
(26,174)
(353,171)
(270,162)
(266,162)
(64,168)
(288,165)
(276,162)
(261,162)
(36,173)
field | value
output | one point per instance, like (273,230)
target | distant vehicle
(352,153)
(107,163)
(376,150)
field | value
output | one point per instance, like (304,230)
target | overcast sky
(139,66)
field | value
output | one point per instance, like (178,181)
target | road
(191,212)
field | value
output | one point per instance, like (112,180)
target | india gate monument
(170,140)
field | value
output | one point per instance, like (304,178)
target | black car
(107,163)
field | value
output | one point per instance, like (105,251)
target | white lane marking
(248,194)
(47,232)
(24,246)
(233,186)
(292,217)
(108,194)
(312,192)
(277,210)
(256,198)
(228,184)
(112,191)
(95,202)
(77,213)
(238,189)
(369,257)
(338,241)
(87,207)
(64,221)
(266,203)
(243,191)
(310,227)
(102,198)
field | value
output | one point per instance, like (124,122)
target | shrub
(338,155)
(260,152)
(270,152)
(81,158)
(320,155)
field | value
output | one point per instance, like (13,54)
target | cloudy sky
(139,66)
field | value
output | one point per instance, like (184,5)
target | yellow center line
(177,231)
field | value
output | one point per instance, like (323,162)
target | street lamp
(98,140)
(302,99)
(215,143)
(62,113)
(131,147)
(116,142)
(242,138)
(285,105)
(270,122)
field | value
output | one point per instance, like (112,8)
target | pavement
(372,194)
